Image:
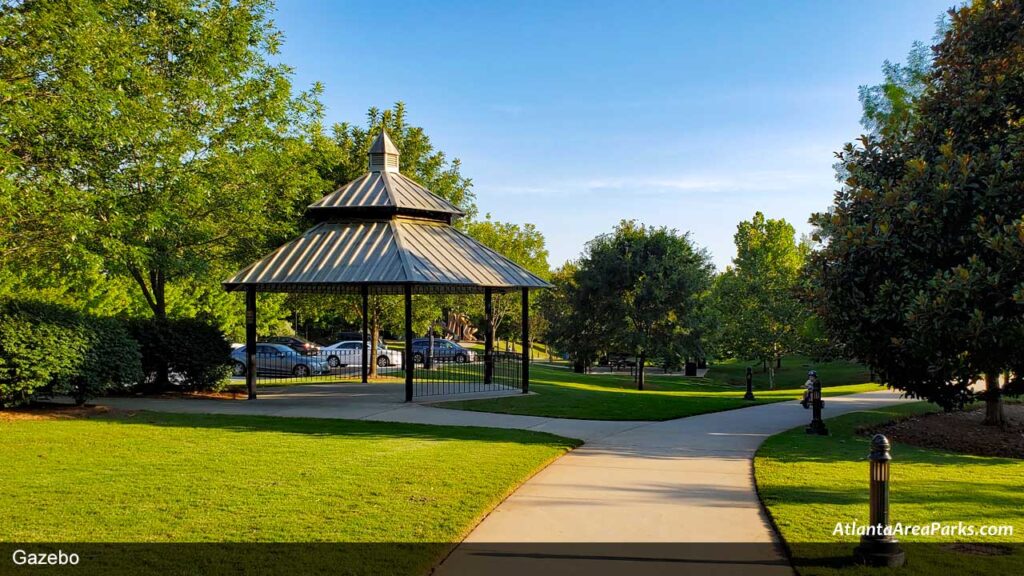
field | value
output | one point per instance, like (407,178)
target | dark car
(443,350)
(297,343)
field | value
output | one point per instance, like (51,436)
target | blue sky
(574,115)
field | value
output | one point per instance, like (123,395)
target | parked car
(296,343)
(443,350)
(350,352)
(279,359)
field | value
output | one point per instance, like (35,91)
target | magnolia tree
(921,272)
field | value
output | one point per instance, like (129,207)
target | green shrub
(111,361)
(48,349)
(182,353)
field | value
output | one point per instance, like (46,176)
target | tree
(759,314)
(570,327)
(643,285)
(921,268)
(162,140)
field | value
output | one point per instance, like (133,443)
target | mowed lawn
(148,477)
(561,393)
(809,483)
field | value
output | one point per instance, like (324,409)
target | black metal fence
(468,375)
(432,376)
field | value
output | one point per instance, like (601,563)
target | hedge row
(48,349)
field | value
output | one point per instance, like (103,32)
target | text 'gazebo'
(385,234)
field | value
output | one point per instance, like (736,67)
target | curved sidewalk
(674,485)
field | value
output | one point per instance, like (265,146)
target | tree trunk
(764,366)
(374,337)
(640,361)
(778,362)
(994,415)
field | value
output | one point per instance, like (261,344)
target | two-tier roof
(383,231)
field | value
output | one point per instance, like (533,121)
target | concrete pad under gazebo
(383,233)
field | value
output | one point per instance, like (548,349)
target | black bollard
(750,384)
(817,425)
(876,547)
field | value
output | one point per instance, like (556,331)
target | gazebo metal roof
(341,257)
(383,231)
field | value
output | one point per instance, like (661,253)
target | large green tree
(759,314)
(644,285)
(922,264)
(155,135)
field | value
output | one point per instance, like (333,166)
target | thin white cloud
(757,181)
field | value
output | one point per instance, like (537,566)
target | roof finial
(383,154)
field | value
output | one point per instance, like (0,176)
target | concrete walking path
(638,497)
(682,483)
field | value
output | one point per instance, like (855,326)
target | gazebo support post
(250,341)
(366,328)
(526,340)
(488,337)
(410,365)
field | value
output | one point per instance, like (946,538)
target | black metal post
(488,336)
(250,341)
(817,425)
(526,340)
(750,384)
(428,357)
(410,365)
(366,328)
(876,547)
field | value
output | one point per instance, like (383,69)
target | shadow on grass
(333,427)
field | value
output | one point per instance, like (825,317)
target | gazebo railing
(468,376)
(435,376)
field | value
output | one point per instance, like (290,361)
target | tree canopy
(644,286)
(161,141)
(922,264)
(758,312)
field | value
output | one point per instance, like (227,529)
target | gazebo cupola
(384,233)
(383,192)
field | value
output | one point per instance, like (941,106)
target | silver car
(350,353)
(280,360)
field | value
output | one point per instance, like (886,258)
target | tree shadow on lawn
(362,429)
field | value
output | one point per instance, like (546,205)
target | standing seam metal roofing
(384,255)
(385,190)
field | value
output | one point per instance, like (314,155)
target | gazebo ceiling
(384,231)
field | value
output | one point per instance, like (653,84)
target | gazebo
(383,233)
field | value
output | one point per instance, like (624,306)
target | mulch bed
(960,432)
(46,411)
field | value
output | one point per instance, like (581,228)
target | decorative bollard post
(817,425)
(876,547)
(750,384)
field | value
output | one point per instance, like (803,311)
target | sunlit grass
(809,483)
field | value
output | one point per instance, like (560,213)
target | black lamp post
(817,425)
(876,547)
(750,384)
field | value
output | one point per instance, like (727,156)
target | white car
(350,353)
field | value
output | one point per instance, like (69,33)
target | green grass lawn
(152,477)
(809,483)
(561,393)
